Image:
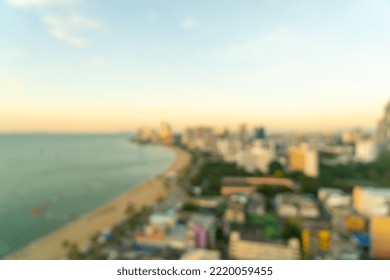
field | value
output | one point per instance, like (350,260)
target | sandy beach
(50,247)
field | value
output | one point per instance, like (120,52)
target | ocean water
(64,177)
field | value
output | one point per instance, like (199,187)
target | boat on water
(36,212)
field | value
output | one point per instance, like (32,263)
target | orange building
(357,197)
(303,159)
(380,237)
(166,134)
(355,223)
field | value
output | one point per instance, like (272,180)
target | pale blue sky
(115,65)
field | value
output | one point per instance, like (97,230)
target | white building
(340,154)
(324,193)
(247,160)
(228,148)
(180,238)
(366,151)
(247,249)
(166,220)
(264,155)
(338,200)
(256,157)
(296,206)
(371,201)
(331,198)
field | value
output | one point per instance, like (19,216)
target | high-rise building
(202,138)
(366,151)
(260,133)
(188,136)
(221,132)
(147,134)
(351,136)
(242,130)
(166,134)
(383,133)
(305,160)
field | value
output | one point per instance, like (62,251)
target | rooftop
(206,221)
(376,190)
(260,235)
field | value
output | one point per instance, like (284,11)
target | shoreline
(80,230)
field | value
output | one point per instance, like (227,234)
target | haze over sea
(49,180)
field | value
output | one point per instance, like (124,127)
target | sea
(48,180)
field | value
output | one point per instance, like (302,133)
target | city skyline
(82,66)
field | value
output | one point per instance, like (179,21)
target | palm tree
(130,210)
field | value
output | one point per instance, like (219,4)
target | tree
(279,173)
(74,252)
(65,243)
(271,191)
(290,230)
(275,168)
(130,210)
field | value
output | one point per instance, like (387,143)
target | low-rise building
(256,205)
(316,239)
(153,237)
(203,229)
(370,201)
(289,205)
(201,254)
(235,210)
(344,249)
(252,247)
(207,202)
(338,200)
(323,193)
(339,220)
(166,219)
(248,185)
(362,240)
(179,238)
(380,237)
(337,154)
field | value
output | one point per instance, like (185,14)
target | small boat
(36,212)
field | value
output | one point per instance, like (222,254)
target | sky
(95,66)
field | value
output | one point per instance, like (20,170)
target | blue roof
(362,239)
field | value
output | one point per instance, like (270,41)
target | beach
(79,231)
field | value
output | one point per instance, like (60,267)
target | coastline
(79,231)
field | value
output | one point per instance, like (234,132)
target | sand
(79,231)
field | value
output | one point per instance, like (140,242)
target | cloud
(189,23)
(30,3)
(67,28)
(64,28)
